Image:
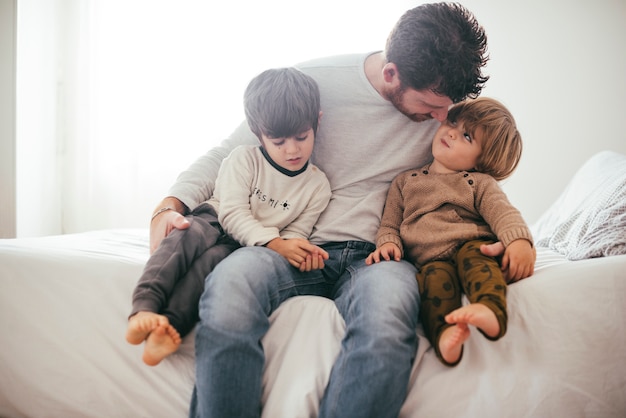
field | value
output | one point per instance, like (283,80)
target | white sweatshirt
(256,202)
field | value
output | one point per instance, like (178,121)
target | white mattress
(64,301)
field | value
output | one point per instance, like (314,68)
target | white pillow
(589,218)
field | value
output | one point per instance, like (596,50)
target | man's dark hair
(439,47)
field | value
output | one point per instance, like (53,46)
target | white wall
(40,107)
(558,64)
(7,118)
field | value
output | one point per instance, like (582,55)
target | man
(381,111)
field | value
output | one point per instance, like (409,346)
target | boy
(267,195)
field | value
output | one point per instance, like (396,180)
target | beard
(396,97)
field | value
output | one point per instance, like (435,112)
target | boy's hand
(518,261)
(300,253)
(388,251)
(314,261)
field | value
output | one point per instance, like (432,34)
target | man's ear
(390,73)
(319,118)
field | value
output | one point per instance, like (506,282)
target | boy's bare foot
(162,341)
(478,315)
(142,324)
(451,342)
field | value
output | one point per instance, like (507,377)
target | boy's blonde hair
(501,141)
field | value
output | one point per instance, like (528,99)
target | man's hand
(511,265)
(388,251)
(300,253)
(166,221)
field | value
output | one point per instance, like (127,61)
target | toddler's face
(456,149)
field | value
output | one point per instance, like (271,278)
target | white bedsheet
(64,301)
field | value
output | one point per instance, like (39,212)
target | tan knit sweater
(429,216)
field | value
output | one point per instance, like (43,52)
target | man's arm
(194,186)
(167,216)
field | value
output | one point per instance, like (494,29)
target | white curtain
(116,97)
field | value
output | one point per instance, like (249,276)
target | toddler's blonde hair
(501,141)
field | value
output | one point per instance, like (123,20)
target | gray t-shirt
(362,143)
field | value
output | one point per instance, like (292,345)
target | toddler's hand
(518,261)
(386,252)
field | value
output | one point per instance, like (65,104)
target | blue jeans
(379,303)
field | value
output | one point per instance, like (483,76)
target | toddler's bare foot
(161,342)
(142,324)
(478,315)
(451,342)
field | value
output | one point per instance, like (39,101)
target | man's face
(418,105)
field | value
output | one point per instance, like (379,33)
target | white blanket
(64,301)
(589,217)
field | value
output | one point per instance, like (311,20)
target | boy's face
(290,153)
(455,149)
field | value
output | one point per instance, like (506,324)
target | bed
(64,301)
